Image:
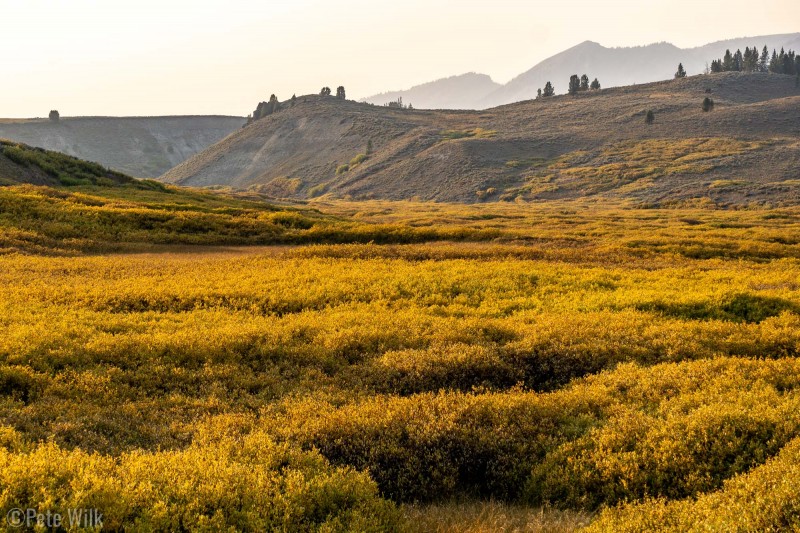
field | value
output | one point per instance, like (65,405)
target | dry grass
(616,166)
(491,517)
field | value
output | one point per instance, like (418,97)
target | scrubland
(399,366)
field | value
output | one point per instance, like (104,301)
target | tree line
(576,85)
(753,61)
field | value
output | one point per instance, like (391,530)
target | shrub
(249,485)
(764,499)
(609,438)
(318,190)
(357,160)
(740,307)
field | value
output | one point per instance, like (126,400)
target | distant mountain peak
(612,66)
(454,92)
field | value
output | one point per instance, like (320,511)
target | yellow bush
(228,485)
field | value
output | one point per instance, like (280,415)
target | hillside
(20,164)
(144,147)
(593,144)
(615,67)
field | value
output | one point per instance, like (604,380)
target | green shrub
(318,190)
(66,169)
(357,160)
(742,307)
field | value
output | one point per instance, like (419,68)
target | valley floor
(526,367)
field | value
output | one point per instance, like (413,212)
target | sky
(179,57)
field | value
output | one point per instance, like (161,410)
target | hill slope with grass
(593,144)
(144,147)
(52,203)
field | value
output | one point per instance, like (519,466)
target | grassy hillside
(56,204)
(144,147)
(596,144)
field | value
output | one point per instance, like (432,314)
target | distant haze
(142,57)
(613,67)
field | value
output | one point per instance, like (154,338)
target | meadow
(399,366)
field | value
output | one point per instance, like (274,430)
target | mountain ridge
(613,66)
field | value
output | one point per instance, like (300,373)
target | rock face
(142,147)
(596,143)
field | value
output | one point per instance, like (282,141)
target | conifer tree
(727,61)
(595,85)
(584,83)
(681,72)
(750,60)
(539,94)
(650,117)
(788,63)
(737,61)
(549,90)
(773,63)
(763,62)
(340,94)
(574,84)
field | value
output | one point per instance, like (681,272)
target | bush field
(392,365)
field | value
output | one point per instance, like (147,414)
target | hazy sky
(148,57)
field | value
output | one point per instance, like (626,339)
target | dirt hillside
(596,143)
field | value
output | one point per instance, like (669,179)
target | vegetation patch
(402,365)
(738,308)
(477,133)
(280,187)
(64,169)
(624,163)
(526,163)
(357,160)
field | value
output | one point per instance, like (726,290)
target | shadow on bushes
(742,307)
